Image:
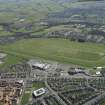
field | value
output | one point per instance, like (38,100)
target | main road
(50,89)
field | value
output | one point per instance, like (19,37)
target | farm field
(62,50)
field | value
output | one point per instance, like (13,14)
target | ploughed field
(62,50)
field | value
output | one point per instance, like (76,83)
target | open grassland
(25,98)
(62,50)
(11,59)
(38,85)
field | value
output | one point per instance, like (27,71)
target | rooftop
(2,55)
(38,64)
(39,92)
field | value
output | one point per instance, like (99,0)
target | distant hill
(89,0)
(34,9)
(64,1)
(10,10)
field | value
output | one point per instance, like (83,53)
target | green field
(11,59)
(38,85)
(25,98)
(62,50)
(103,104)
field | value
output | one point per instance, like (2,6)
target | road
(52,91)
(95,100)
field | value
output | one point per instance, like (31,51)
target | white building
(22,20)
(39,92)
(1,62)
(99,68)
(98,73)
(38,65)
(2,55)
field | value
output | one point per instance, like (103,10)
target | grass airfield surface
(62,50)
